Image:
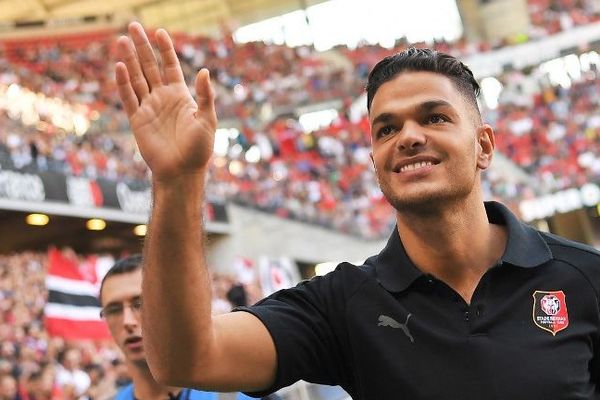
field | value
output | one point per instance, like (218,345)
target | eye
(436,119)
(385,130)
(136,304)
(112,310)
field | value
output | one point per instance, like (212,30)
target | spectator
(8,388)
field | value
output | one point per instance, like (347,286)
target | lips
(414,163)
(133,340)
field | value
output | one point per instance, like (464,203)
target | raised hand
(175,134)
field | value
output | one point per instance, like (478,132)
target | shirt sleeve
(306,324)
(200,395)
(242,396)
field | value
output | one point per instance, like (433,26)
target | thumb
(204,91)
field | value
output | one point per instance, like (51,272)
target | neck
(455,243)
(144,385)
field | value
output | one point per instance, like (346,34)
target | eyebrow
(120,303)
(422,108)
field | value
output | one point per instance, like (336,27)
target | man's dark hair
(416,60)
(237,296)
(123,266)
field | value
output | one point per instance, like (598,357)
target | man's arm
(185,345)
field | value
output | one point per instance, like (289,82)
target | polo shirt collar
(525,248)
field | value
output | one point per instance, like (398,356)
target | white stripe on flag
(54,310)
(71,286)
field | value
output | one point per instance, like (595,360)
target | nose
(411,137)
(130,319)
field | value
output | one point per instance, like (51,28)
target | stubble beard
(141,363)
(427,203)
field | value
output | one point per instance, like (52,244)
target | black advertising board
(48,186)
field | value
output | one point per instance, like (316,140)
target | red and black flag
(73,309)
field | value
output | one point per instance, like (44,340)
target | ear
(372,159)
(486,143)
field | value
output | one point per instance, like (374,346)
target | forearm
(176,286)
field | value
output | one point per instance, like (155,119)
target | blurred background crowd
(272,161)
(35,365)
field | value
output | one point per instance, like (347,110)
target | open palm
(175,133)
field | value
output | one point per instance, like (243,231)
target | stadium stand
(551,16)
(321,176)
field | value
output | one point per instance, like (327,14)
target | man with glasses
(120,297)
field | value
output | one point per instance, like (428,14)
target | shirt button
(466,316)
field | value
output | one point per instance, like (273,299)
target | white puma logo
(384,320)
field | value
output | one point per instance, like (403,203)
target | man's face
(122,293)
(428,145)
(72,360)
(8,387)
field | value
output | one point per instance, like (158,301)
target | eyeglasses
(115,311)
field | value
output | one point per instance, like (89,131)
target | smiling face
(123,292)
(428,143)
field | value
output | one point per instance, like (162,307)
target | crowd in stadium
(247,75)
(34,365)
(548,17)
(554,134)
(322,176)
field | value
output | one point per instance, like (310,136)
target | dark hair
(123,266)
(416,60)
(237,296)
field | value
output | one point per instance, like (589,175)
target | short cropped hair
(123,266)
(417,60)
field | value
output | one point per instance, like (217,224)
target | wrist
(183,184)
(191,179)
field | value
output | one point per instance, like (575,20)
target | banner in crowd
(245,270)
(85,193)
(563,201)
(277,273)
(73,310)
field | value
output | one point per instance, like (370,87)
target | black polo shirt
(385,330)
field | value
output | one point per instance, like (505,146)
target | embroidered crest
(550,311)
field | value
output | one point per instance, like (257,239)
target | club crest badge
(550,311)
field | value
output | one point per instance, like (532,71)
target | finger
(126,92)
(145,55)
(204,91)
(136,76)
(171,66)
